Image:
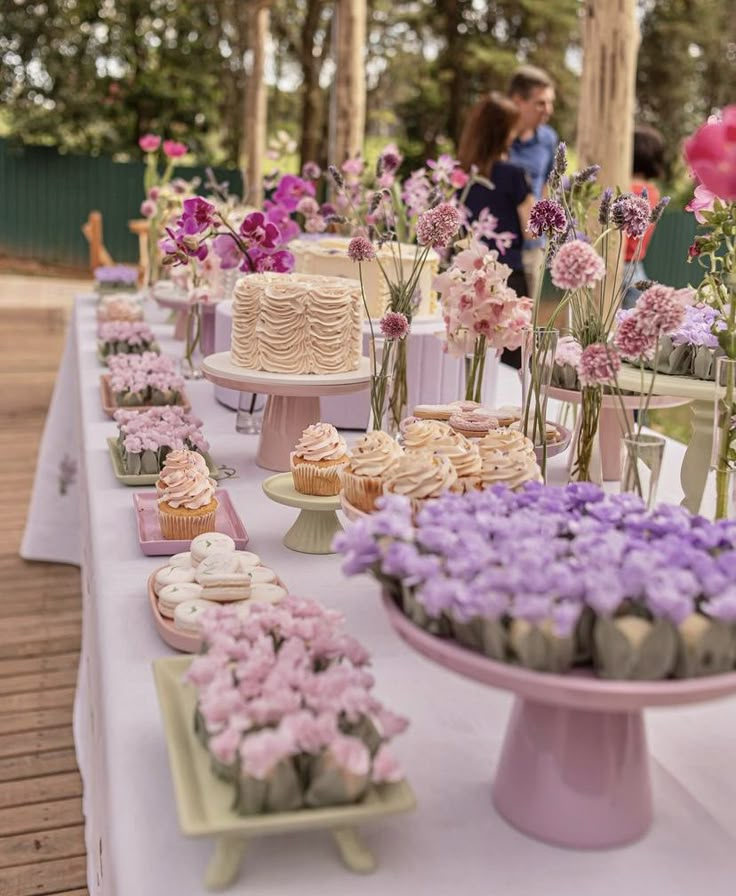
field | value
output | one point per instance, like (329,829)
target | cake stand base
(575,778)
(317,523)
(284,420)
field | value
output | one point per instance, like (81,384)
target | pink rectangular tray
(154,544)
(108,400)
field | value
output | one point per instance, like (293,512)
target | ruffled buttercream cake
(297,323)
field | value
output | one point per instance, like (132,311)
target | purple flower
(547,217)
(291,189)
(437,226)
(631,214)
(394,325)
(227,250)
(604,210)
(660,309)
(260,232)
(577,266)
(311,171)
(598,365)
(280,262)
(361,249)
(197,216)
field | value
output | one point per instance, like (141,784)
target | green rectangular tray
(144,478)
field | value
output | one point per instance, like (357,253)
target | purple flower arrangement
(146,437)
(120,337)
(110,278)
(551,578)
(285,710)
(145,379)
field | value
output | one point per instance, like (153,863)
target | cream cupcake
(425,435)
(188,507)
(317,459)
(419,476)
(176,465)
(507,441)
(473,424)
(440,439)
(362,477)
(465,458)
(551,432)
(510,469)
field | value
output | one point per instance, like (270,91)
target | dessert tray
(560,444)
(137,479)
(316,525)
(154,544)
(109,406)
(574,767)
(203,801)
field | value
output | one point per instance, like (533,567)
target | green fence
(45,198)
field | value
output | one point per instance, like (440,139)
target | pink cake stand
(609,425)
(293,401)
(574,768)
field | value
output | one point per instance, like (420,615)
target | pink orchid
(711,153)
(702,201)
(149,142)
(175,150)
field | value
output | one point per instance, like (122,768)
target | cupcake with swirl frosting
(508,441)
(420,476)
(362,477)
(425,435)
(176,465)
(439,438)
(187,505)
(317,459)
(512,468)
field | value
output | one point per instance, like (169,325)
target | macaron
(247,559)
(170,596)
(266,593)
(184,559)
(222,578)
(210,543)
(188,614)
(261,575)
(172,575)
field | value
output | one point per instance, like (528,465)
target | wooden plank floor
(41,825)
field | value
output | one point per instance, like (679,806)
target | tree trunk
(607,93)
(254,114)
(454,66)
(312,100)
(348,109)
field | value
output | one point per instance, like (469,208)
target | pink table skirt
(433,376)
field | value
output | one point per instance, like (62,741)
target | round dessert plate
(186,642)
(351,512)
(560,444)
(574,768)
(316,525)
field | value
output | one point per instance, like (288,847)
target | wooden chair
(92,230)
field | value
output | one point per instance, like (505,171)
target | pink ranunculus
(149,142)
(702,201)
(174,150)
(711,153)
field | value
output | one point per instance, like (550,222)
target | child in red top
(648,165)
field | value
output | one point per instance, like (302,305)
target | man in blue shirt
(533,149)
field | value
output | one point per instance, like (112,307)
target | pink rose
(174,150)
(149,142)
(711,153)
(702,201)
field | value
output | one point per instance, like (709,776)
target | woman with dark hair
(648,167)
(489,130)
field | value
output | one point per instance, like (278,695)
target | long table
(455,841)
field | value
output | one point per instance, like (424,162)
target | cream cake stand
(293,401)
(702,394)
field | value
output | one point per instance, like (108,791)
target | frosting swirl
(511,469)
(373,454)
(419,475)
(507,441)
(321,441)
(192,490)
(426,435)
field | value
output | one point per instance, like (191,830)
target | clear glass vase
(538,350)
(586,461)
(248,419)
(723,456)
(191,363)
(642,465)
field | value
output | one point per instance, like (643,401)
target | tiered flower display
(144,379)
(120,337)
(285,709)
(146,437)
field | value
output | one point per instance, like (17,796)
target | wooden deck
(41,825)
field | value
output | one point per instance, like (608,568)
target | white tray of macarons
(211,572)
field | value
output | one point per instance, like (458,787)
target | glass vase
(723,455)
(642,465)
(399,387)
(191,363)
(585,451)
(538,350)
(248,419)
(475,370)
(380,416)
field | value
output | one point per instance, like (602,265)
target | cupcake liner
(185,526)
(310,479)
(361,491)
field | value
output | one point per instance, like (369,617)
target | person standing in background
(533,93)
(648,166)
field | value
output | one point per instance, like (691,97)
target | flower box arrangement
(145,379)
(124,338)
(145,438)
(285,709)
(115,278)
(560,579)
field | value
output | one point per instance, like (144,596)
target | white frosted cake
(329,256)
(297,323)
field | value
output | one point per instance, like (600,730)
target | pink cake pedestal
(574,768)
(292,405)
(610,423)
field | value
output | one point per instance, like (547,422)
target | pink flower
(547,216)
(351,754)
(702,201)
(568,352)
(315,224)
(353,166)
(174,150)
(385,767)
(394,325)
(711,153)
(632,340)
(308,206)
(280,262)
(661,309)
(227,251)
(311,171)
(261,752)
(459,178)
(291,189)
(576,266)
(598,365)
(149,142)
(148,208)
(437,226)
(360,249)
(631,213)
(260,232)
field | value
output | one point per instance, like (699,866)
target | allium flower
(311,171)
(149,142)
(711,153)
(632,340)
(390,159)
(437,226)
(598,365)
(394,325)
(174,150)
(660,309)
(360,248)
(547,216)
(631,213)
(577,265)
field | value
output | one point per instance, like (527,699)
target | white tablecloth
(455,841)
